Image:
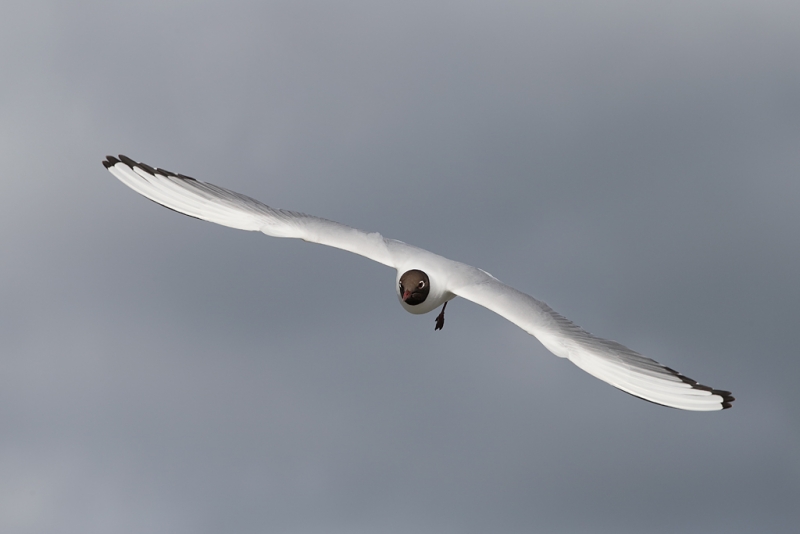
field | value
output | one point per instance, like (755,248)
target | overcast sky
(634,166)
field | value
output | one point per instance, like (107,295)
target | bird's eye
(421,284)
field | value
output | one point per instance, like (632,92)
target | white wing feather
(218,205)
(607,360)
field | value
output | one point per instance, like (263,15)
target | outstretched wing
(218,205)
(607,360)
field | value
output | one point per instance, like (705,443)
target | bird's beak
(406,294)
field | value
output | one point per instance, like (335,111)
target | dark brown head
(414,287)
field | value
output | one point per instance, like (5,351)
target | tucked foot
(440,319)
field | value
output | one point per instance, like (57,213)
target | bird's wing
(218,205)
(607,360)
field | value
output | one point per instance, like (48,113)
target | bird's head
(414,287)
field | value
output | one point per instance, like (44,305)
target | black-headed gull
(426,281)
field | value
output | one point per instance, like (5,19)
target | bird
(424,281)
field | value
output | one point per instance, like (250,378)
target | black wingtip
(727,398)
(127,161)
(110,161)
(165,172)
(146,167)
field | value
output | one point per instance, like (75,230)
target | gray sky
(634,166)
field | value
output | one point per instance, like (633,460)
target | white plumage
(607,360)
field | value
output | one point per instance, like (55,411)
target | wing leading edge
(607,360)
(215,204)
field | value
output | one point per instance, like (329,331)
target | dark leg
(440,319)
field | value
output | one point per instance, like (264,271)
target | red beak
(406,294)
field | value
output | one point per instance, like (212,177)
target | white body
(438,269)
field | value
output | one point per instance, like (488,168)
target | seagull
(425,281)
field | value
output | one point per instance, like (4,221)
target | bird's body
(426,281)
